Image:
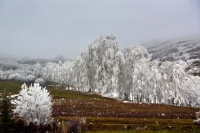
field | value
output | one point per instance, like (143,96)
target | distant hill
(42,61)
(34,61)
(187,50)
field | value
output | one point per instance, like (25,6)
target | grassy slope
(114,124)
(11,87)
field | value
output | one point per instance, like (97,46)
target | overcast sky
(47,28)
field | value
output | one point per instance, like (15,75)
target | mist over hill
(181,49)
(187,50)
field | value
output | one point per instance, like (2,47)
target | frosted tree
(105,69)
(84,72)
(111,66)
(40,81)
(91,63)
(7,63)
(185,84)
(119,74)
(175,85)
(15,77)
(45,74)
(33,104)
(87,73)
(141,81)
(136,67)
(30,79)
(82,76)
(67,74)
(77,73)
(57,73)
(153,77)
(102,65)
(47,71)
(37,70)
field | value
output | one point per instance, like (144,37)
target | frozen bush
(40,81)
(33,104)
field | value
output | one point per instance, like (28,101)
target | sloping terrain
(109,115)
(73,103)
(100,107)
(187,50)
(173,50)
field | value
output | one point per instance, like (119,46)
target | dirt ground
(117,109)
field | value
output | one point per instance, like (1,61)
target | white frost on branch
(33,104)
(128,74)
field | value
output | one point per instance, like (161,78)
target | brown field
(99,107)
(111,116)
(106,115)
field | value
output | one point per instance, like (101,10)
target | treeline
(128,74)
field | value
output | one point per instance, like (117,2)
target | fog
(46,29)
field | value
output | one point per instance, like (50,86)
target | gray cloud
(45,29)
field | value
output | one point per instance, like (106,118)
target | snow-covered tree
(30,79)
(111,66)
(33,104)
(105,69)
(16,77)
(47,71)
(40,81)
(7,63)
(103,63)
(136,69)
(37,70)
(67,74)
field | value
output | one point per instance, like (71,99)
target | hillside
(109,115)
(176,49)
(86,102)
(187,50)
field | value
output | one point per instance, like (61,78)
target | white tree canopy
(123,74)
(40,81)
(33,104)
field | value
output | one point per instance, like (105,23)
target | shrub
(33,104)
(6,124)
